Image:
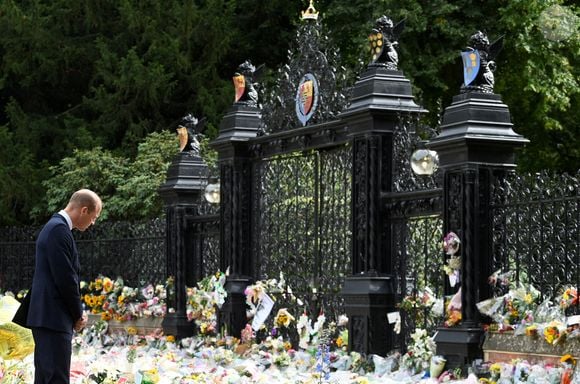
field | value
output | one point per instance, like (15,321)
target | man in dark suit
(55,302)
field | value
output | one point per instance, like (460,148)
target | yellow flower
(339,342)
(551,334)
(568,359)
(170,339)
(528,299)
(151,376)
(105,316)
(120,299)
(132,331)
(495,368)
(98,284)
(531,330)
(107,285)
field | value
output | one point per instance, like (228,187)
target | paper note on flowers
(262,311)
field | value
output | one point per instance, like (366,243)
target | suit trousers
(52,355)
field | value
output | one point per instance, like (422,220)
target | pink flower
(451,243)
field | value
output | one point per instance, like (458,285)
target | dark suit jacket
(55,301)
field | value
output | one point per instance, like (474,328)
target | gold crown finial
(311,13)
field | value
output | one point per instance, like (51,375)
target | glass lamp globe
(424,162)
(212,193)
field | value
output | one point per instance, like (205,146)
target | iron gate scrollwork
(535,230)
(415,212)
(303,227)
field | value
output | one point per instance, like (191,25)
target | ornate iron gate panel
(417,259)
(535,230)
(415,211)
(303,227)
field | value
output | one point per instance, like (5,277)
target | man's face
(88,217)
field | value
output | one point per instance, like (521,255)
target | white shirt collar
(67,218)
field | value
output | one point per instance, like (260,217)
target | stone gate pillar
(186,180)
(475,146)
(379,97)
(241,123)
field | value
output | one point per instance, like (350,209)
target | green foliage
(137,196)
(127,187)
(537,73)
(95,169)
(539,78)
(79,75)
(74,76)
(17,172)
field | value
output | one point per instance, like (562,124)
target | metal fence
(536,230)
(133,250)
(17,257)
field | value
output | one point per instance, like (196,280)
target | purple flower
(451,243)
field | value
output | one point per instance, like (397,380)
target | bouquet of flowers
(422,348)
(275,288)
(113,300)
(420,305)
(203,300)
(451,244)
(569,299)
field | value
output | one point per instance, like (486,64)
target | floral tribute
(115,301)
(291,331)
(522,310)
(204,300)
(422,349)
(423,306)
(127,357)
(452,267)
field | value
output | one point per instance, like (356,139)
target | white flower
(319,324)
(304,329)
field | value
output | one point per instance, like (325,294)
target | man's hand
(81,323)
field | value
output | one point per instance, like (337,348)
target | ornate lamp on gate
(424,162)
(212,192)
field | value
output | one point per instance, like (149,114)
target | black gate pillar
(379,98)
(240,123)
(476,145)
(186,180)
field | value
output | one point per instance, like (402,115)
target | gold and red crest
(239,86)
(376,44)
(306,98)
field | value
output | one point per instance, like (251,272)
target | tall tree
(77,75)
(106,73)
